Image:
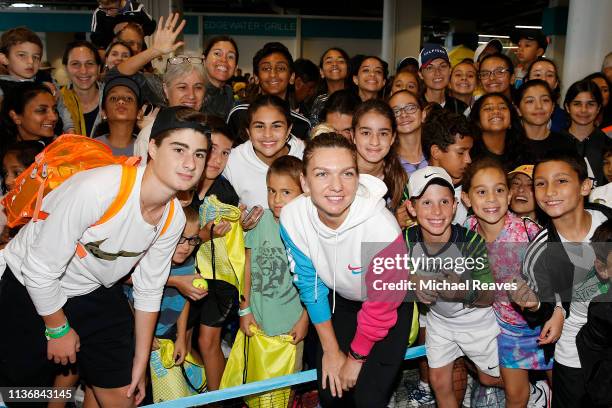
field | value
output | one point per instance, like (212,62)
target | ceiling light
(524,26)
(25,5)
(493,36)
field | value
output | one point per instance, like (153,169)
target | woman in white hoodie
(269,119)
(324,231)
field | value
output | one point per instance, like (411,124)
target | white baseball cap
(420,179)
(493,43)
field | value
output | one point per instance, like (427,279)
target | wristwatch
(357,356)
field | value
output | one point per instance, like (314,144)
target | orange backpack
(66,156)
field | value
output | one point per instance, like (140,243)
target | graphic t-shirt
(274,299)
(464,254)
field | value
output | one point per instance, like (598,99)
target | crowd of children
(308,180)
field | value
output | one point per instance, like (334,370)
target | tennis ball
(200,283)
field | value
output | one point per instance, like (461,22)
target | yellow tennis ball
(200,283)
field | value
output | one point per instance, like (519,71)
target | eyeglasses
(431,68)
(490,107)
(185,60)
(193,241)
(279,69)
(407,109)
(498,73)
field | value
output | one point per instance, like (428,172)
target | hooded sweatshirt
(247,173)
(322,258)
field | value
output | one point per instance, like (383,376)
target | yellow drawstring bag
(170,381)
(414,328)
(222,258)
(257,358)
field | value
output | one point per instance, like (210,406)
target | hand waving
(164,38)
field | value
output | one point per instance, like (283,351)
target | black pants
(102,319)
(568,388)
(377,377)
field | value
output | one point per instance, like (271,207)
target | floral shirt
(505,257)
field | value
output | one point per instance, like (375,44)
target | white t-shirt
(586,287)
(602,195)
(462,212)
(42,255)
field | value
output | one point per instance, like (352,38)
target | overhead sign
(259,26)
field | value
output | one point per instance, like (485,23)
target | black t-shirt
(224,191)
(536,149)
(592,149)
(90,118)
(511,158)
(454,105)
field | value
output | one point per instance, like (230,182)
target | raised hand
(163,40)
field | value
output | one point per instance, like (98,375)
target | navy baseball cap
(431,52)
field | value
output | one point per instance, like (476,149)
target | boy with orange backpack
(51,289)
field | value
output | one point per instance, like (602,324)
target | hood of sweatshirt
(368,201)
(246,154)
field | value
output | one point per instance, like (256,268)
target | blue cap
(431,52)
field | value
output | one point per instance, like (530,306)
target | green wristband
(245,311)
(54,330)
(57,332)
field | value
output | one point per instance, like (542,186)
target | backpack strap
(128,179)
(168,218)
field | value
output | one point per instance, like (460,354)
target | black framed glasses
(193,241)
(498,73)
(406,109)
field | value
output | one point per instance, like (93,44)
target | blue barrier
(259,387)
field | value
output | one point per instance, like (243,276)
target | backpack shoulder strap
(168,218)
(128,179)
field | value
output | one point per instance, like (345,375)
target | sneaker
(467,398)
(226,349)
(540,395)
(392,403)
(419,395)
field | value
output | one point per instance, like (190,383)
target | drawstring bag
(169,381)
(257,358)
(414,327)
(222,258)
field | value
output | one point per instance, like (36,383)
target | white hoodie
(247,173)
(324,258)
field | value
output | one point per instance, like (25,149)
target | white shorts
(445,346)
